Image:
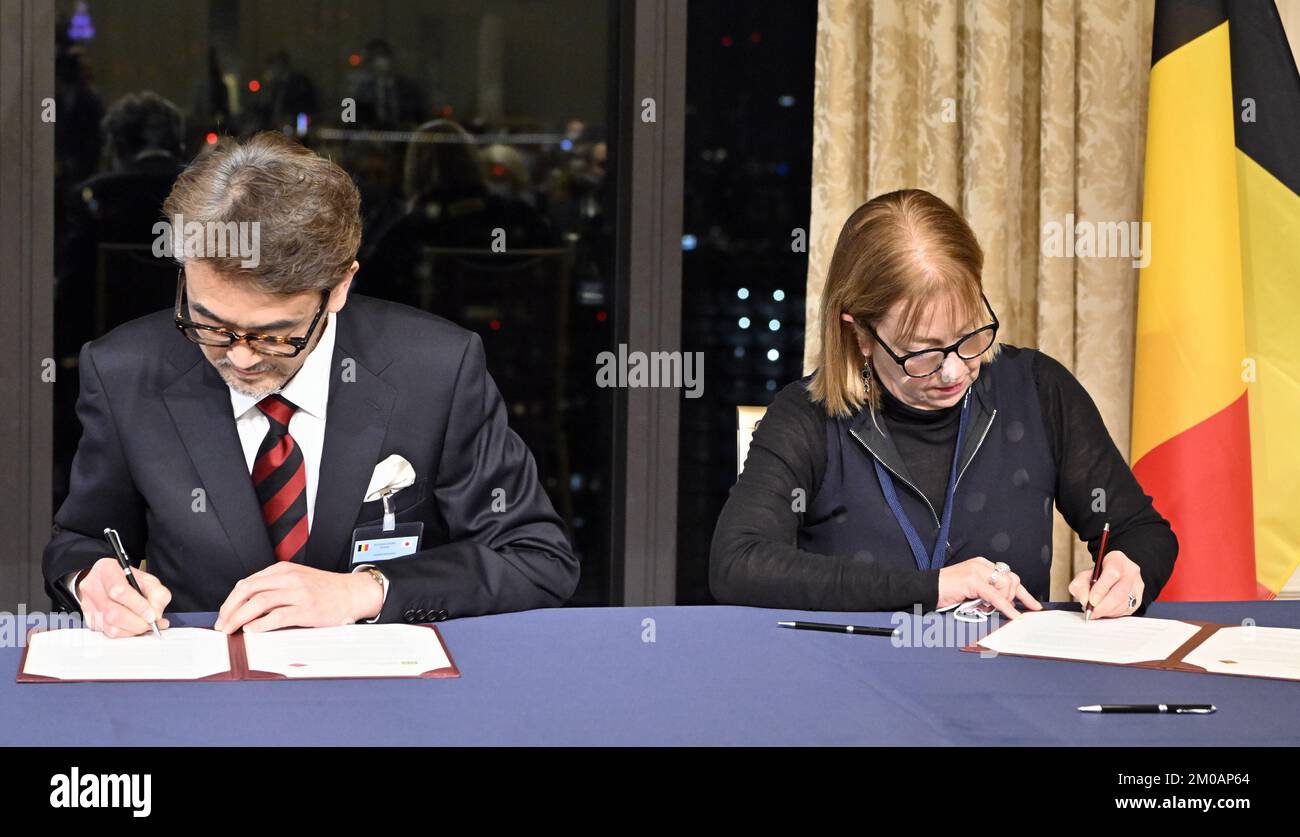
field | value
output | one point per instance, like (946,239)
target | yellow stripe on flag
(1270,243)
(1190,324)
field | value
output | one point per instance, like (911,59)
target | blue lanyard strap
(935,559)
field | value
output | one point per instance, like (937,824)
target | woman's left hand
(1110,596)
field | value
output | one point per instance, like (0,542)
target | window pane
(476,132)
(749,82)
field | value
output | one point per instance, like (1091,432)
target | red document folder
(239,669)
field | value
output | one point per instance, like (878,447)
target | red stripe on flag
(1200,481)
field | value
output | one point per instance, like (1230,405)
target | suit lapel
(356,423)
(199,404)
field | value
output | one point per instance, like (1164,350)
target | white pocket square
(391,475)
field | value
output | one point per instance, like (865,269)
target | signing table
(678,676)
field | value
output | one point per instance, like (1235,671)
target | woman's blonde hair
(906,246)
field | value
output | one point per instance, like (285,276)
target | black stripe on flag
(1178,22)
(1264,69)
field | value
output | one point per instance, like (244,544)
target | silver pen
(1152,708)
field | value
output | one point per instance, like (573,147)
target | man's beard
(274,379)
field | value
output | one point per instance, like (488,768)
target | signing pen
(1152,708)
(1096,572)
(838,629)
(116,542)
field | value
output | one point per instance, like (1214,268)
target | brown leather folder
(1174,662)
(239,669)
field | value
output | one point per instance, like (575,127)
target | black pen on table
(116,542)
(861,630)
(1096,572)
(1151,708)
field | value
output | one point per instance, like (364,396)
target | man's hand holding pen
(112,607)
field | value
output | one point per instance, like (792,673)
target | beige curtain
(1016,112)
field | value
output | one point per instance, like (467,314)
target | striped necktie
(280,477)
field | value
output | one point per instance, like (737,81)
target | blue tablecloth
(712,675)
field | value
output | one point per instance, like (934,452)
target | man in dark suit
(233,442)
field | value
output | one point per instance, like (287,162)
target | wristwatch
(382,581)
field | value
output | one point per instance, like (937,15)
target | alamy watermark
(14,627)
(938,630)
(74,789)
(179,238)
(1102,239)
(678,370)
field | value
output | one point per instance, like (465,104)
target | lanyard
(935,559)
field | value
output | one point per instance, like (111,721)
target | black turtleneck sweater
(925,439)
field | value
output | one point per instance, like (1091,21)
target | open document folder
(1168,644)
(348,651)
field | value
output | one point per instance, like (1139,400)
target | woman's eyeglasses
(926,362)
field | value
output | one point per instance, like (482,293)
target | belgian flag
(1216,398)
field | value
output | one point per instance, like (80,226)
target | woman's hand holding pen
(110,605)
(979,578)
(1118,591)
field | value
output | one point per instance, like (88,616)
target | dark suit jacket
(157,426)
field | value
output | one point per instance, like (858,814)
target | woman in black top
(920,463)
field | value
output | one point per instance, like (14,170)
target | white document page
(83,654)
(1064,634)
(346,651)
(1262,652)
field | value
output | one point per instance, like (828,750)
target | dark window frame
(26,288)
(650,166)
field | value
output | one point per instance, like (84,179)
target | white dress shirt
(309,391)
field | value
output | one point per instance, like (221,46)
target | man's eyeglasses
(263,344)
(926,362)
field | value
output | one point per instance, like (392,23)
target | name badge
(375,543)
(384,543)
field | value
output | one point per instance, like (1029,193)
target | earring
(866,376)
